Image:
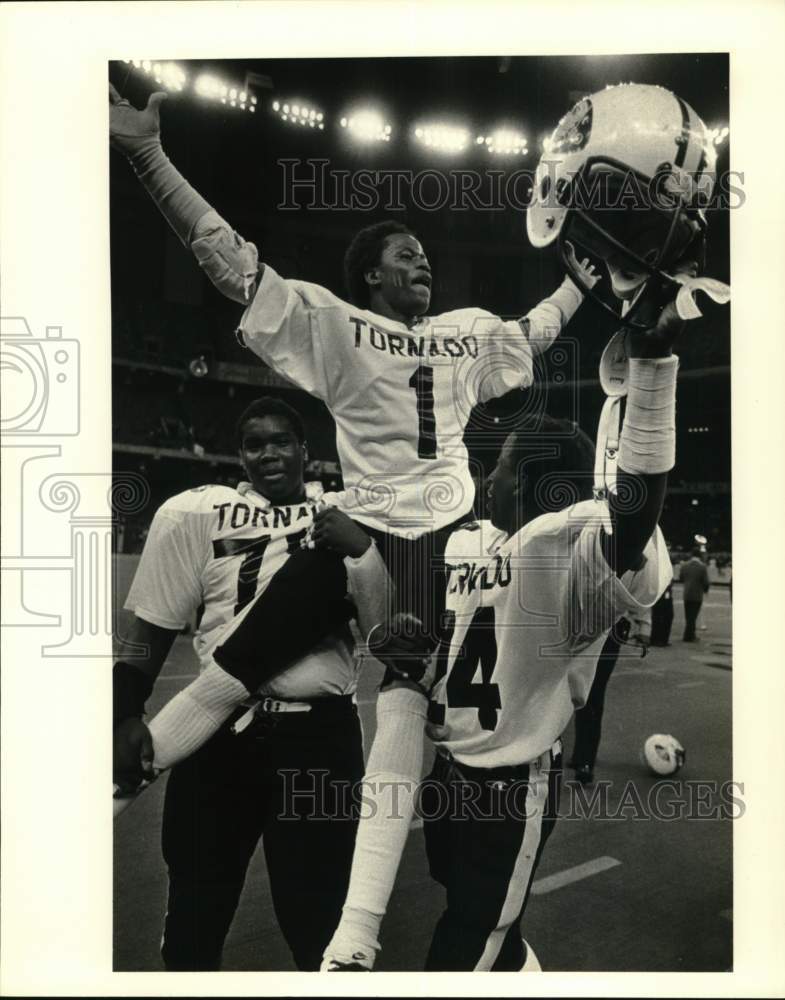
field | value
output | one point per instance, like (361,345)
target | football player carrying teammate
(532,596)
(215,548)
(399,384)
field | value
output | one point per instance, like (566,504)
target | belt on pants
(269,710)
(518,772)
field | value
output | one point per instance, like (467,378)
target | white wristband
(647,445)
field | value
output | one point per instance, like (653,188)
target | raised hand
(583,269)
(131,130)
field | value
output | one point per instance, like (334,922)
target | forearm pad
(647,444)
(180,204)
(131,688)
(231,263)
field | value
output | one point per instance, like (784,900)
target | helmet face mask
(623,182)
(635,242)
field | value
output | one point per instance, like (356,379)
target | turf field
(630,890)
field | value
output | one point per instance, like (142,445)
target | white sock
(390,786)
(194,715)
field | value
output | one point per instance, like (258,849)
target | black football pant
(276,632)
(285,789)
(588,720)
(691,612)
(417,569)
(662,619)
(485,831)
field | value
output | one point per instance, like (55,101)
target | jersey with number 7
(400,397)
(217,549)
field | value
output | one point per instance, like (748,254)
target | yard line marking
(691,684)
(706,662)
(570,875)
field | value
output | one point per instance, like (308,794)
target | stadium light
(298,114)
(505,142)
(442,137)
(367,125)
(214,89)
(718,135)
(167,74)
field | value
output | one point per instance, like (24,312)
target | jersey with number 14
(528,618)
(218,548)
(400,397)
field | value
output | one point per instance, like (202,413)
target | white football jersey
(215,549)
(529,617)
(400,397)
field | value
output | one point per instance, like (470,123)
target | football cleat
(335,966)
(358,962)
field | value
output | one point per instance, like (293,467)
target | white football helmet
(664,754)
(625,179)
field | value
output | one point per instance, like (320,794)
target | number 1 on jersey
(422,383)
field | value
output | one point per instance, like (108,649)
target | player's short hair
(270,406)
(557,460)
(364,253)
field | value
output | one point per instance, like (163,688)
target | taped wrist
(647,444)
(131,688)
(187,721)
(180,204)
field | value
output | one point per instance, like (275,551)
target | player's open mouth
(422,282)
(272,475)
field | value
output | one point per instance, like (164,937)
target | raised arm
(647,445)
(230,263)
(543,324)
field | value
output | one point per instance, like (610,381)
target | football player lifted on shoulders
(532,597)
(399,383)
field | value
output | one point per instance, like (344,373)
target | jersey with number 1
(217,548)
(400,397)
(528,616)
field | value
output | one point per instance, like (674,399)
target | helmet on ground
(663,754)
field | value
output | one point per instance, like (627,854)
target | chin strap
(686,305)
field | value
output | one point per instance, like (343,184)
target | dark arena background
(180,380)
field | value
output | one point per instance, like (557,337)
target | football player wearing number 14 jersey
(531,597)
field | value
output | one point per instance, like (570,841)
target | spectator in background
(695,580)
(662,618)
